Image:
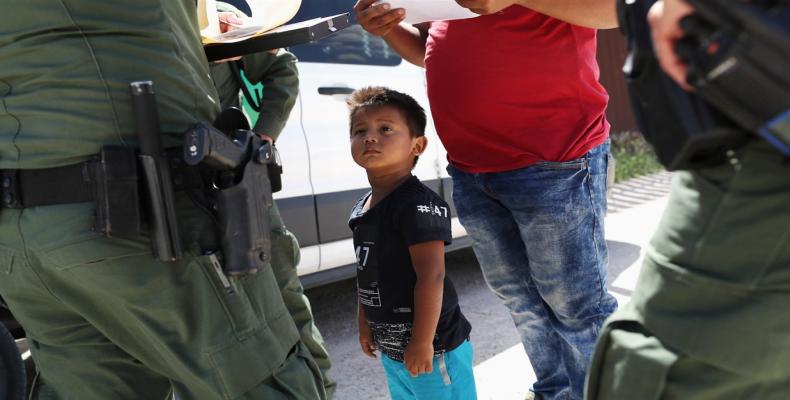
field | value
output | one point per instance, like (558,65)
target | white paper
(418,11)
(266,15)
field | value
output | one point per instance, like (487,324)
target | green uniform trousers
(710,317)
(107,321)
(285,258)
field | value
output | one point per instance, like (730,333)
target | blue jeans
(452,377)
(538,235)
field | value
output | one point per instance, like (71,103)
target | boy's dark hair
(379,96)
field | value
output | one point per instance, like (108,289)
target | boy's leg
(285,258)
(147,321)
(398,379)
(452,377)
(460,369)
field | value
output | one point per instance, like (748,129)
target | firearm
(735,51)
(165,241)
(241,191)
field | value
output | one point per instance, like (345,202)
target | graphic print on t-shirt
(367,276)
(367,269)
(432,209)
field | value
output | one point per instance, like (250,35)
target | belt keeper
(10,189)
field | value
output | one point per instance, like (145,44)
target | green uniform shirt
(280,79)
(61,107)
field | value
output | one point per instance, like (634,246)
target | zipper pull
(218,269)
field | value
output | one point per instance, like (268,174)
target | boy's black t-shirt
(411,214)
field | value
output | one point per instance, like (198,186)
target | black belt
(23,188)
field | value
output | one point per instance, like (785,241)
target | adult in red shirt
(517,104)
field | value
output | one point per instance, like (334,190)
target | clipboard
(303,32)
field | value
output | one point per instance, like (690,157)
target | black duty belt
(24,188)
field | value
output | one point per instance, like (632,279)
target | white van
(320,180)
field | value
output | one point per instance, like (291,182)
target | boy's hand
(418,358)
(366,341)
(377,19)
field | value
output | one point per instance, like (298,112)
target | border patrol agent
(280,78)
(103,317)
(709,316)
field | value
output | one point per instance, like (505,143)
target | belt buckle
(9,189)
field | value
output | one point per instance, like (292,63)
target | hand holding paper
(228,21)
(418,11)
(266,15)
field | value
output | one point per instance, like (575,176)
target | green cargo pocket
(93,250)
(300,377)
(629,363)
(245,364)
(232,296)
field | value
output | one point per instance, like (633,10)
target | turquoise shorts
(452,377)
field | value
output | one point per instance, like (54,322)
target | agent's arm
(407,40)
(280,78)
(428,261)
(597,14)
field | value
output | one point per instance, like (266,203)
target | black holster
(243,211)
(241,189)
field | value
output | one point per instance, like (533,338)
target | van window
(348,46)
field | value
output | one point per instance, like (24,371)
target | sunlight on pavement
(507,375)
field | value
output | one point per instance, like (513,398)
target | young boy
(408,309)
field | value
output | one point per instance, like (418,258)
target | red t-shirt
(514,88)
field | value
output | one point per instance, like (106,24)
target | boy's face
(381,142)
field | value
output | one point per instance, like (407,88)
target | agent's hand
(664,19)
(228,21)
(486,6)
(418,358)
(265,137)
(366,341)
(377,19)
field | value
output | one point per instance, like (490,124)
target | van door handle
(331,90)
